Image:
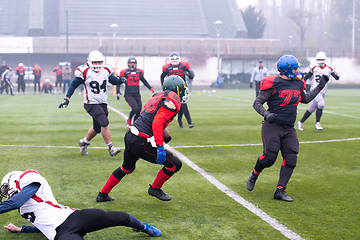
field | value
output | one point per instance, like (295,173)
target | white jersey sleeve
(42,209)
(95,83)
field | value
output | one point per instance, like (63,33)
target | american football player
(132,76)
(318,103)
(182,69)
(94,76)
(282,94)
(145,139)
(29,192)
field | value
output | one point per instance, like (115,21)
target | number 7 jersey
(95,83)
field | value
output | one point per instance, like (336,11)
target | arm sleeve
(74,84)
(29,229)
(115,80)
(308,75)
(20,198)
(263,96)
(307,97)
(335,76)
(162,77)
(146,83)
(160,120)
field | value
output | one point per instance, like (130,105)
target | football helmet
(320,58)
(132,63)
(98,57)
(177,85)
(21,65)
(174,58)
(289,66)
(8,184)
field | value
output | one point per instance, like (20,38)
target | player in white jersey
(318,103)
(29,192)
(94,75)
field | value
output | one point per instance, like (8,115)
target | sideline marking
(251,207)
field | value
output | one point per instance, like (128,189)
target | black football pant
(36,82)
(137,147)
(135,104)
(21,85)
(184,111)
(277,137)
(99,114)
(89,220)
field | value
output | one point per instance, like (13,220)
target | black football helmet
(132,63)
(176,84)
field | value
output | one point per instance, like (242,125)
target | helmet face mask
(289,66)
(8,185)
(132,63)
(174,59)
(96,61)
(321,58)
(176,84)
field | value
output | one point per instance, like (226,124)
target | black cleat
(159,194)
(250,184)
(104,197)
(281,195)
(191,125)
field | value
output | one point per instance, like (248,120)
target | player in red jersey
(133,76)
(175,67)
(282,94)
(145,139)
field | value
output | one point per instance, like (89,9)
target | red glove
(152,90)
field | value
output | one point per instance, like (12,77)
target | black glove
(118,96)
(123,79)
(251,85)
(65,103)
(323,81)
(270,117)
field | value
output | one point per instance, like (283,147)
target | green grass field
(225,142)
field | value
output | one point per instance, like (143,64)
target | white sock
(85,140)
(109,145)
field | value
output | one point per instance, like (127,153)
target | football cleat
(114,151)
(149,229)
(158,193)
(191,125)
(250,184)
(83,147)
(281,195)
(104,197)
(318,126)
(299,126)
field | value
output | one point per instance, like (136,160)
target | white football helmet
(8,184)
(21,65)
(320,58)
(174,58)
(98,57)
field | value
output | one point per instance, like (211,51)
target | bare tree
(303,20)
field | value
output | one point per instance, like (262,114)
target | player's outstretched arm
(307,97)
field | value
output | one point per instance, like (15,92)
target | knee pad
(290,160)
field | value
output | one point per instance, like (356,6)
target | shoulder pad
(109,68)
(267,82)
(186,64)
(122,72)
(169,105)
(165,66)
(141,71)
(79,72)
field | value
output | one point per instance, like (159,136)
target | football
(166,135)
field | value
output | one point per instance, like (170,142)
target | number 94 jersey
(94,83)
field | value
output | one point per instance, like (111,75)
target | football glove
(161,155)
(152,90)
(323,81)
(251,85)
(118,96)
(65,103)
(123,79)
(270,117)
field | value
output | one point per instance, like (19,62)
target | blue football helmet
(174,59)
(288,65)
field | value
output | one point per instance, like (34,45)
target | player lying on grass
(30,193)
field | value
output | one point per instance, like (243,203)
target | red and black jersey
(285,97)
(180,70)
(157,113)
(58,71)
(37,72)
(133,78)
(20,70)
